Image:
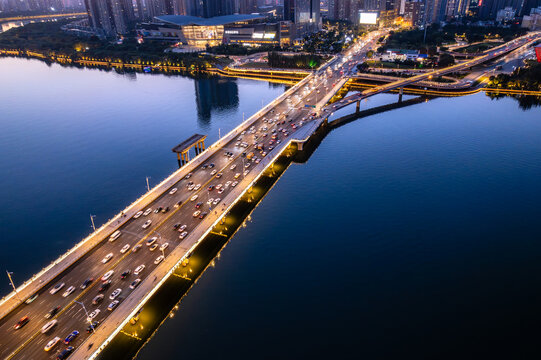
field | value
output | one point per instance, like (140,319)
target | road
(281,122)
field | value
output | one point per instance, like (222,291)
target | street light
(13,285)
(87,316)
(92,221)
(148,185)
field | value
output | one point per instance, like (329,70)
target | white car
(233,167)
(183,235)
(138,215)
(209,201)
(51,324)
(115,294)
(107,258)
(227,183)
(147,224)
(68,291)
(113,305)
(51,344)
(190,187)
(234,183)
(196,214)
(173,190)
(197,187)
(193,198)
(92,315)
(216,201)
(107,275)
(164,246)
(138,270)
(125,248)
(159,259)
(147,211)
(56,288)
(182,228)
(213,172)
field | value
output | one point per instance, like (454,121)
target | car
(87,282)
(219,175)
(237,175)
(178,204)
(136,248)
(91,327)
(213,172)
(211,165)
(191,186)
(56,288)
(135,283)
(115,293)
(104,286)
(153,247)
(209,201)
(71,337)
(234,183)
(97,299)
(183,235)
(203,214)
(182,228)
(232,167)
(47,327)
(64,354)
(113,305)
(197,187)
(107,275)
(138,215)
(196,214)
(31,298)
(147,211)
(51,344)
(159,259)
(193,198)
(173,190)
(210,188)
(221,190)
(151,241)
(52,312)
(247,165)
(198,205)
(125,274)
(146,224)
(68,291)
(138,269)
(204,166)
(188,176)
(216,201)
(165,209)
(158,210)
(107,258)
(22,322)
(227,183)
(164,246)
(115,236)
(92,315)
(125,248)
(218,187)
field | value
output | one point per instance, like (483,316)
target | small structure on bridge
(183,149)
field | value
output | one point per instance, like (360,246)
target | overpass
(194,199)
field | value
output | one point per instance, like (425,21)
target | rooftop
(183,20)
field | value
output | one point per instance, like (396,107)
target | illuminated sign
(369,18)
(257,36)
(233,32)
(538,53)
(269,36)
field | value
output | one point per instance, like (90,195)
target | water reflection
(524,102)
(215,95)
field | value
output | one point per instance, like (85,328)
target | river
(413,233)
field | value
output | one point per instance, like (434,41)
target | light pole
(12,284)
(92,221)
(148,185)
(87,316)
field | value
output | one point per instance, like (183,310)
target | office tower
(246,6)
(414,12)
(304,14)
(110,17)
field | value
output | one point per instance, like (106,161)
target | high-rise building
(110,17)
(304,14)
(245,6)
(414,12)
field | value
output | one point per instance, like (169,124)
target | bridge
(156,234)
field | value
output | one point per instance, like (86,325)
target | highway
(273,129)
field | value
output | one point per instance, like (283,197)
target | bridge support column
(400,94)
(299,146)
(358,106)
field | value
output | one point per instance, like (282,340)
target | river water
(413,233)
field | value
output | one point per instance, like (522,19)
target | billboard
(538,53)
(369,18)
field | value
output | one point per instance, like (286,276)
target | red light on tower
(538,53)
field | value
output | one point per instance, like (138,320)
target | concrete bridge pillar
(358,106)
(400,94)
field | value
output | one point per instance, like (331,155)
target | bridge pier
(358,106)
(400,94)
